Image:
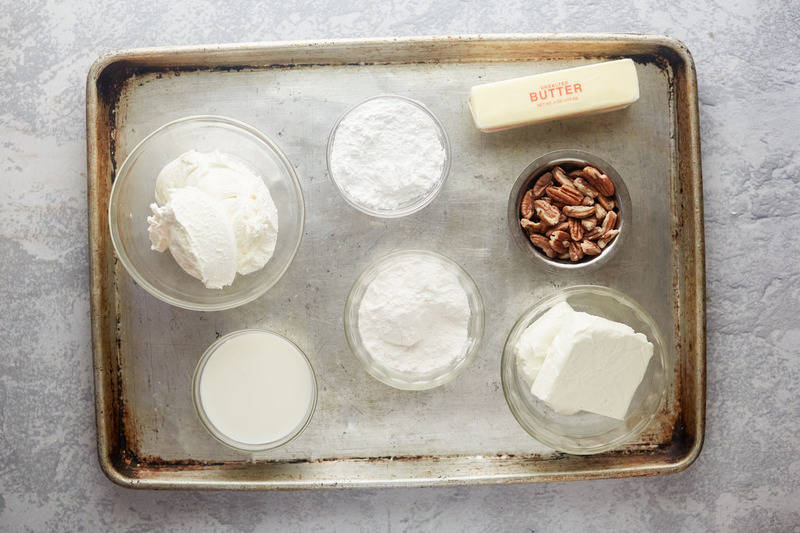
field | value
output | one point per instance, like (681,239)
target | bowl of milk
(254,390)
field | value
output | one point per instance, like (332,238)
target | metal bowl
(569,159)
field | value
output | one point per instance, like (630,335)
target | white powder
(414,316)
(387,153)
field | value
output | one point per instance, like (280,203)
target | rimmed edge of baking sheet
(121,466)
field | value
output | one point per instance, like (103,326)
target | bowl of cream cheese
(206,213)
(585,370)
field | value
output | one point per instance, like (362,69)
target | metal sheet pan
(364,433)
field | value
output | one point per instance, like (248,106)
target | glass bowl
(133,192)
(570,160)
(222,437)
(586,433)
(408,380)
(414,205)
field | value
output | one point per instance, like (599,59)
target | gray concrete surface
(748,476)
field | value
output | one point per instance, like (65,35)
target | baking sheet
(363,432)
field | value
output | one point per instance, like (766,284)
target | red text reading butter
(555,89)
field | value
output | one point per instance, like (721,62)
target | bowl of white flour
(414,319)
(389,156)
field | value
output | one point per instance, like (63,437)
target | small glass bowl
(222,437)
(586,433)
(413,205)
(133,191)
(569,159)
(407,380)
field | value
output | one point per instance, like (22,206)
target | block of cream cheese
(537,338)
(593,364)
(554,95)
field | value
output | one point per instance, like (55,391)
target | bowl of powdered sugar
(414,319)
(389,156)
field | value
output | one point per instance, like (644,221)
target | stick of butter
(553,95)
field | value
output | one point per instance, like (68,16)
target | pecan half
(544,181)
(546,211)
(579,211)
(609,222)
(607,203)
(600,211)
(594,234)
(561,176)
(607,237)
(587,200)
(526,206)
(585,188)
(559,244)
(566,194)
(560,235)
(575,229)
(599,181)
(540,241)
(575,252)
(588,223)
(530,226)
(575,174)
(562,226)
(590,248)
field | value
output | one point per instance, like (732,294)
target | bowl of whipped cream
(206,213)
(585,370)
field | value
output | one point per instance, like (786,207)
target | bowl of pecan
(569,209)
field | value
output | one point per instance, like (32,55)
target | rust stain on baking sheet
(141,466)
(109,89)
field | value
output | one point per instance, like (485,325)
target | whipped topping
(589,364)
(215,216)
(198,234)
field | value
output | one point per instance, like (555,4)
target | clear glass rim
(122,174)
(219,435)
(423,201)
(383,374)
(508,365)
